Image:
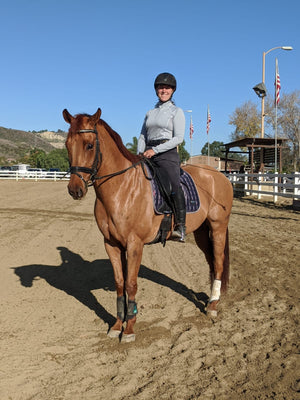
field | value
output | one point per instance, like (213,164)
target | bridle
(75,170)
(97,160)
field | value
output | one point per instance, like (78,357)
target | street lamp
(260,89)
(190,111)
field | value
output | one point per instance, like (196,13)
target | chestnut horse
(125,214)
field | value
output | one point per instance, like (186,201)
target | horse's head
(84,152)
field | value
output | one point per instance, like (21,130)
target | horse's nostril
(70,191)
(76,193)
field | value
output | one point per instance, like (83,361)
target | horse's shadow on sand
(78,278)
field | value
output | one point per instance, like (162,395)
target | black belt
(153,143)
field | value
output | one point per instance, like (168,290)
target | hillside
(16,143)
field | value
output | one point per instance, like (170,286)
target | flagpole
(208,121)
(208,148)
(191,136)
(277,97)
(276,137)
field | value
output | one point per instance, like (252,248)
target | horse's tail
(226,265)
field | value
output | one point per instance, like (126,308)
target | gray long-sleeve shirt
(165,121)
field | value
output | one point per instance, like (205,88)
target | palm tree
(132,147)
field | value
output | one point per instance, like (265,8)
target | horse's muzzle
(76,191)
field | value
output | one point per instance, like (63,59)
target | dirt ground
(57,301)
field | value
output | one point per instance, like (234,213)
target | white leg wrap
(216,291)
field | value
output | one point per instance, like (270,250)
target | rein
(95,178)
(75,170)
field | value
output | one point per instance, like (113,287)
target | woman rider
(162,131)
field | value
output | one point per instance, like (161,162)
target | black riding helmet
(165,79)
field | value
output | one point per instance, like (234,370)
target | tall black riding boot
(179,218)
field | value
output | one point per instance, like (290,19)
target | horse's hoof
(127,338)
(112,333)
(212,313)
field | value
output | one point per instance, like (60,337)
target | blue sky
(82,55)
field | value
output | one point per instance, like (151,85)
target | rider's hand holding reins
(149,153)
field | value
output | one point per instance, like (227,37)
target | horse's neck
(113,162)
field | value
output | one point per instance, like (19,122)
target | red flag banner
(208,120)
(277,84)
(191,129)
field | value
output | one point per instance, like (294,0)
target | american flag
(277,85)
(208,120)
(191,129)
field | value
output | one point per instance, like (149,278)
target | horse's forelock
(78,123)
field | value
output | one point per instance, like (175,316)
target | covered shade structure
(261,151)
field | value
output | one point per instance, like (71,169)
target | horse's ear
(95,118)
(67,116)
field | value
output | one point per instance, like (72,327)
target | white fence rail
(34,175)
(274,185)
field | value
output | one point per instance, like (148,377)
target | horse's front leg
(134,258)
(117,258)
(220,273)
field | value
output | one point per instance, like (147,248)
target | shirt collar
(166,104)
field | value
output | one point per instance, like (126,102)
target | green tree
(215,149)
(57,158)
(132,147)
(37,158)
(183,154)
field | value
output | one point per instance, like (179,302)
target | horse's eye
(89,146)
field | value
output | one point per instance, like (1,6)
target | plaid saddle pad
(191,196)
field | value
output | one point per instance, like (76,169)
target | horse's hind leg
(212,239)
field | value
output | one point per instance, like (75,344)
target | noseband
(97,160)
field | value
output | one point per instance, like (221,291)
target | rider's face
(164,92)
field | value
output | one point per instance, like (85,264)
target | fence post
(232,180)
(296,200)
(246,184)
(296,182)
(259,179)
(276,187)
(234,177)
(250,185)
(284,181)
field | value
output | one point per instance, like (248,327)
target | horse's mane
(117,139)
